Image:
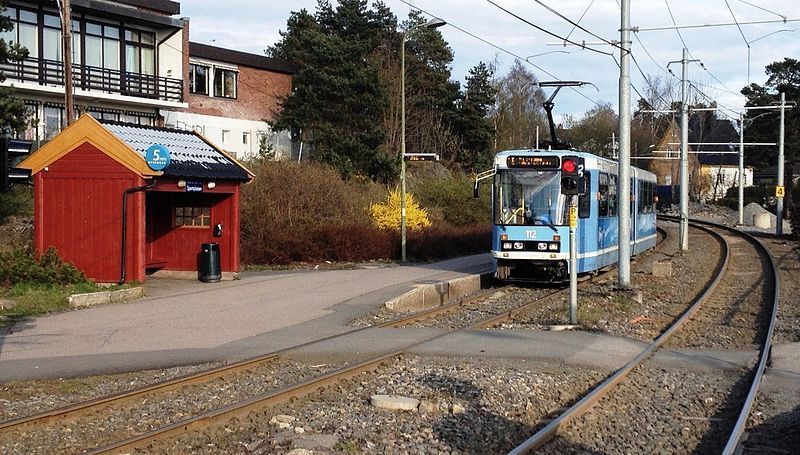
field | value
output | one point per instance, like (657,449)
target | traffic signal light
(13,150)
(572,175)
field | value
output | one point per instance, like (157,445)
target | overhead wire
(575,24)
(581,18)
(468,33)
(544,30)
(764,9)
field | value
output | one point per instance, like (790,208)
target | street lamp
(433,23)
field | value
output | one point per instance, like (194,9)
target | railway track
(127,437)
(629,402)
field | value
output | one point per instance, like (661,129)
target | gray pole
(741,169)
(432,23)
(624,180)
(684,228)
(403,148)
(573,260)
(779,208)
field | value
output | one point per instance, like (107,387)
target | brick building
(133,62)
(231,97)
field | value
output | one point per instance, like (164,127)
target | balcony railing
(51,72)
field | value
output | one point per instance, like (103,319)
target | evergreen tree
(12,110)
(762,126)
(474,126)
(338,94)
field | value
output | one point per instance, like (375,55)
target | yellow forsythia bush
(387,214)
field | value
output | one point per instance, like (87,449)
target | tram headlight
(541,246)
(507,245)
(519,246)
(553,246)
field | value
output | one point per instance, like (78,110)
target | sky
(252,26)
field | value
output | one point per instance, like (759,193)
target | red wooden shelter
(99,200)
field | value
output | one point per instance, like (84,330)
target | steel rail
(550,430)
(295,391)
(74,411)
(766,349)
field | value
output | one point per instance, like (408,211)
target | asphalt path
(187,322)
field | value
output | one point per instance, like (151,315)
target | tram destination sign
(421,157)
(533,161)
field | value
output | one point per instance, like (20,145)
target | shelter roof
(191,155)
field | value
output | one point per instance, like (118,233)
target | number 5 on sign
(780,191)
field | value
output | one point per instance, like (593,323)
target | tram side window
(603,195)
(646,192)
(585,199)
(612,195)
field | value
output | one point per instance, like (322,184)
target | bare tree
(518,110)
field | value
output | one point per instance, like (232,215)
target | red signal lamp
(569,166)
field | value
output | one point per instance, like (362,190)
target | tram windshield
(530,198)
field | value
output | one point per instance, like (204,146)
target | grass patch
(34,299)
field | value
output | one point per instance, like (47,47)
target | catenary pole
(624,180)
(741,168)
(779,208)
(684,232)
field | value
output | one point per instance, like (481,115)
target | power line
(764,9)
(544,30)
(737,23)
(502,50)
(677,30)
(575,24)
(581,18)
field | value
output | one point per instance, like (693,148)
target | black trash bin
(209,270)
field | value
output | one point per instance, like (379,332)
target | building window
(140,52)
(25,31)
(192,216)
(245,138)
(53,120)
(224,83)
(226,134)
(102,46)
(198,79)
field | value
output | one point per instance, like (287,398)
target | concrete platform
(184,322)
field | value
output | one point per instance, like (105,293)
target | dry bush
(449,241)
(295,211)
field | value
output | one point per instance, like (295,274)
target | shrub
(449,241)
(17,202)
(293,211)
(387,214)
(452,199)
(21,266)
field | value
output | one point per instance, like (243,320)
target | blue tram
(530,235)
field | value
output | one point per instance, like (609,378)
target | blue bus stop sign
(157,157)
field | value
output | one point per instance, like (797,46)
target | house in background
(127,61)
(713,165)
(231,97)
(133,63)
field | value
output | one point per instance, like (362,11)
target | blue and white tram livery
(530,234)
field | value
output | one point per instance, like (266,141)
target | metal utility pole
(684,178)
(573,260)
(66,33)
(779,191)
(432,23)
(624,180)
(741,168)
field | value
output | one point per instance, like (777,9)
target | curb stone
(103,297)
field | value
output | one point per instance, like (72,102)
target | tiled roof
(190,155)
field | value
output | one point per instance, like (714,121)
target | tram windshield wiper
(546,222)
